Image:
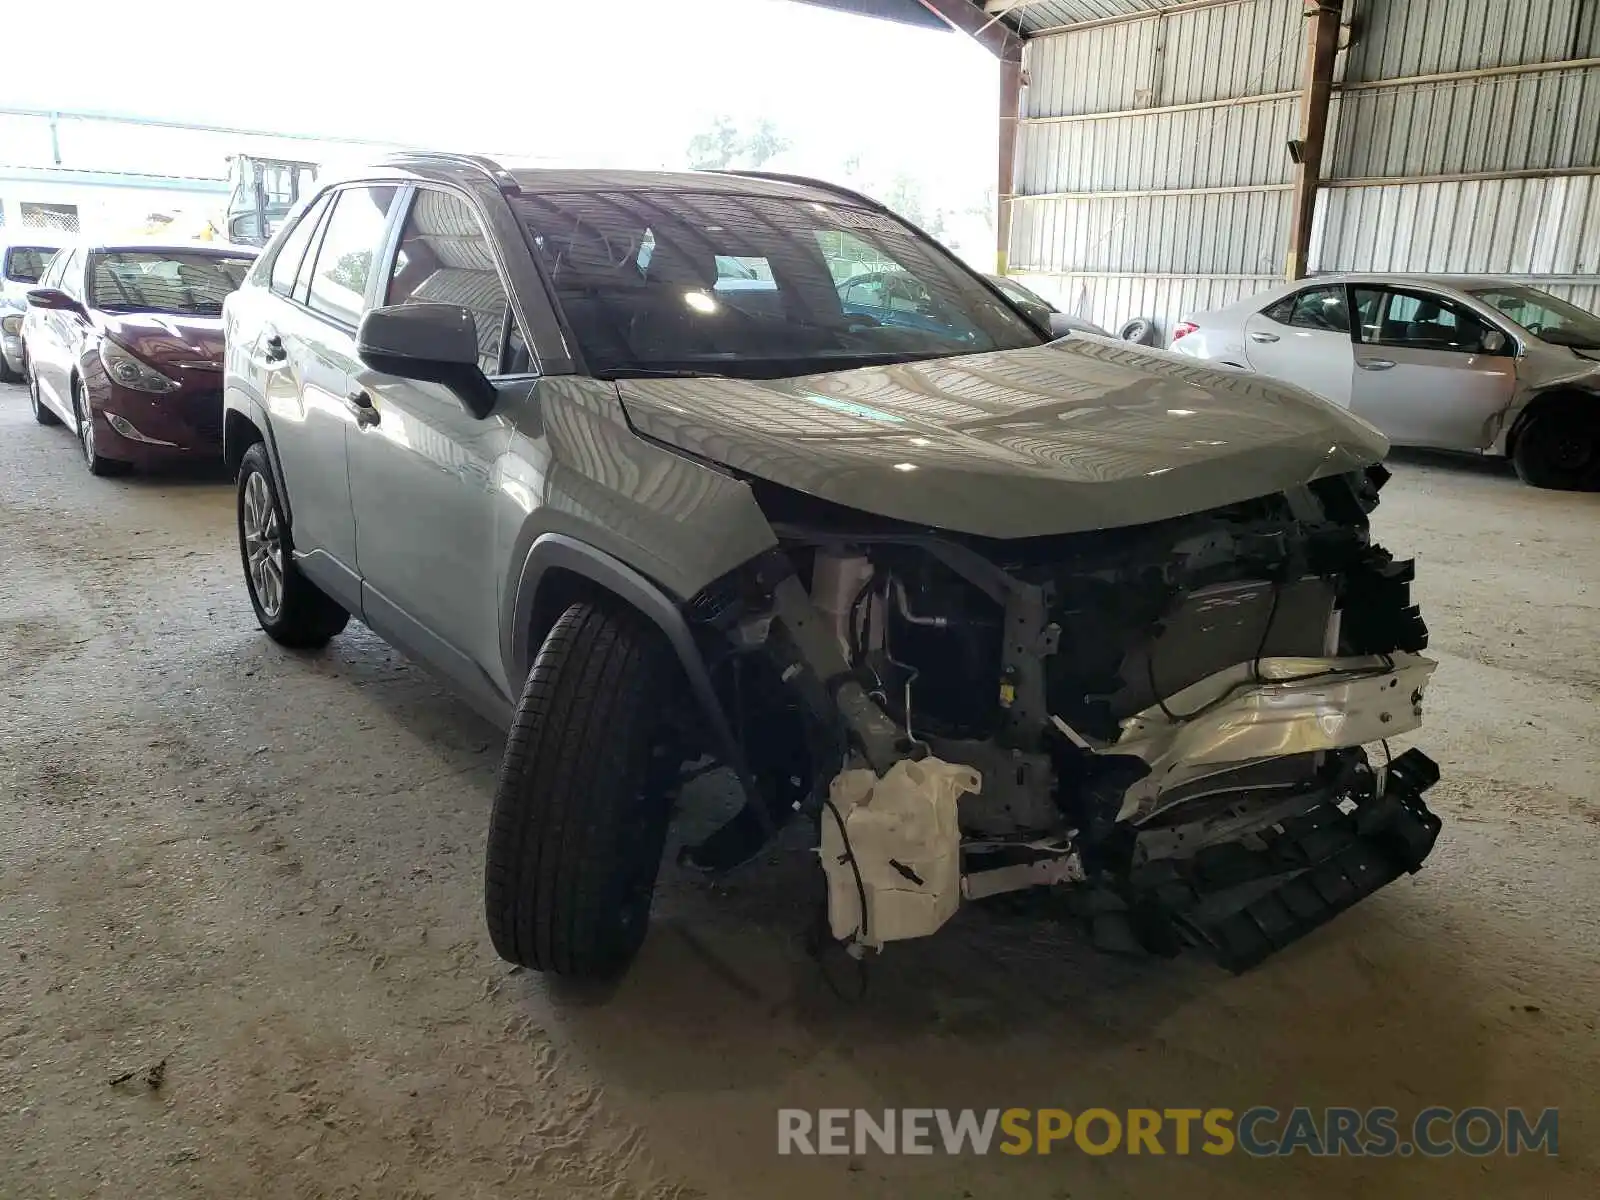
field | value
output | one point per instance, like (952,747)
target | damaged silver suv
(671,472)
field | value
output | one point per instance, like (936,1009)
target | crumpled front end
(1174,725)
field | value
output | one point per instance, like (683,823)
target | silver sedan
(1485,365)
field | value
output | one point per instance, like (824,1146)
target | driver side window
(70,280)
(445,258)
(53,269)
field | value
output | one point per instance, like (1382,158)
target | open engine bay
(1172,721)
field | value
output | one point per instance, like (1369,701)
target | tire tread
(574,768)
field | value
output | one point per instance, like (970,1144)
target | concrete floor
(263,870)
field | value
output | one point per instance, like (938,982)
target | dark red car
(124,344)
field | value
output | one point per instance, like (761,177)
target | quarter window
(344,261)
(445,258)
(286,263)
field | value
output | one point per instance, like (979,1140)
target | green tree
(722,145)
(764,144)
(351,270)
(714,149)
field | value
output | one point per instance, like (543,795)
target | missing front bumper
(1246,902)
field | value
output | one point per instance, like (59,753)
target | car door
(305,351)
(1421,373)
(422,467)
(41,335)
(67,330)
(1304,339)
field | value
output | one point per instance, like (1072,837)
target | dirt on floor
(242,950)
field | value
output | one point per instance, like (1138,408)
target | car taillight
(1183,329)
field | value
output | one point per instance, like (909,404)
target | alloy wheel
(263,545)
(86,432)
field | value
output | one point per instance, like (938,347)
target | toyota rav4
(624,458)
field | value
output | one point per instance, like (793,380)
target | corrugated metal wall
(1153,177)
(1528,130)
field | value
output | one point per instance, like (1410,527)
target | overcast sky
(613,81)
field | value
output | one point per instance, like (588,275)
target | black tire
(1559,448)
(1141,331)
(41,412)
(97,463)
(7,375)
(581,808)
(304,617)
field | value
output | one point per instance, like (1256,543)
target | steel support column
(1005,179)
(1001,41)
(1316,89)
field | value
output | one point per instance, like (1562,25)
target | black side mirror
(434,343)
(55,300)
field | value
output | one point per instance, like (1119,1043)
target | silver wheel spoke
(263,549)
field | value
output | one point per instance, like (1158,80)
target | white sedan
(1483,365)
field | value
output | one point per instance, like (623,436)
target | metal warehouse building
(1152,170)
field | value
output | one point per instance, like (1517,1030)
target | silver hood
(1072,436)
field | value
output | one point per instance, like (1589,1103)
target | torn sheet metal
(1300,705)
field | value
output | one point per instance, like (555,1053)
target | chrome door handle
(1263,337)
(360,403)
(1375,364)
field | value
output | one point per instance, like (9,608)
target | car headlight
(11,323)
(132,372)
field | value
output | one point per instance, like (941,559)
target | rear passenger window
(1321,308)
(286,264)
(445,258)
(353,239)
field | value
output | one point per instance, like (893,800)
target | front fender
(554,552)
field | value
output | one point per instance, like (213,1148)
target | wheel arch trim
(1538,403)
(560,553)
(252,412)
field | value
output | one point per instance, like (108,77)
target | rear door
(1421,374)
(422,467)
(305,351)
(1304,338)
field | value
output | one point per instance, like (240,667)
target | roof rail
(502,178)
(807,181)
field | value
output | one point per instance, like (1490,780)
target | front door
(423,469)
(1421,374)
(1304,339)
(306,353)
(61,331)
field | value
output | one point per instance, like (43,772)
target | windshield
(26,264)
(1019,293)
(687,283)
(182,282)
(1547,317)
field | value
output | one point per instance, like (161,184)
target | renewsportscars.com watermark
(1260,1132)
